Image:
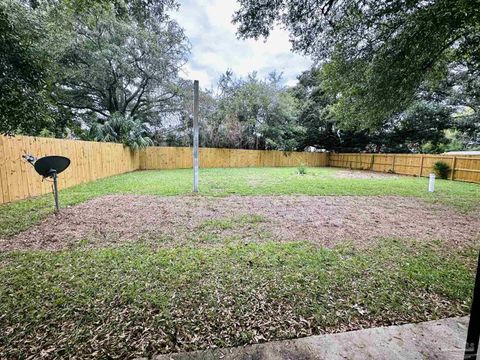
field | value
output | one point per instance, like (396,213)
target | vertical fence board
(4,193)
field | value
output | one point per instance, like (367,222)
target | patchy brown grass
(205,221)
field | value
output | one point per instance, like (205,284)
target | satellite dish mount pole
(55,191)
(49,167)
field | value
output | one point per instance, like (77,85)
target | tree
(247,113)
(43,55)
(25,69)
(458,91)
(116,67)
(255,113)
(419,128)
(313,102)
(139,10)
(122,129)
(379,52)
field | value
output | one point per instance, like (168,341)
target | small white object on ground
(431,183)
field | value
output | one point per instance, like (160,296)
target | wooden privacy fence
(95,160)
(90,161)
(181,157)
(464,168)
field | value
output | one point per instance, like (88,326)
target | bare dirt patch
(363,174)
(189,220)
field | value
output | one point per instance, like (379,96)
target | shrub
(441,169)
(302,169)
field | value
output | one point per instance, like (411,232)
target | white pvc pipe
(431,183)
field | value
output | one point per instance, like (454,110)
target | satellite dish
(50,165)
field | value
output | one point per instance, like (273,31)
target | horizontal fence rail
(463,168)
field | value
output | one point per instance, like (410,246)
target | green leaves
(121,129)
(72,63)
(116,66)
(252,113)
(378,53)
(25,67)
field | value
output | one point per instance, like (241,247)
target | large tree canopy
(140,10)
(420,128)
(61,54)
(113,66)
(379,52)
(391,75)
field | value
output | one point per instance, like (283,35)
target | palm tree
(122,129)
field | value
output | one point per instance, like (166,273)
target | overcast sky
(215,47)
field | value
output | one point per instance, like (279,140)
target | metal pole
(55,191)
(473,334)
(195,136)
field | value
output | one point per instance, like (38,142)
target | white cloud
(193,74)
(215,47)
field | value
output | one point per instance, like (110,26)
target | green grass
(146,298)
(231,223)
(134,300)
(17,216)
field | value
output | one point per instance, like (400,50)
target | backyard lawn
(136,265)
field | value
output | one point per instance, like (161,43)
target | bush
(302,169)
(442,170)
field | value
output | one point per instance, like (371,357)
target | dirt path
(205,221)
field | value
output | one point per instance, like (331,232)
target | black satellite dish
(50,167)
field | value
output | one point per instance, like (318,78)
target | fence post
(454,163)
(372,160)
(393,164)
(421,166)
